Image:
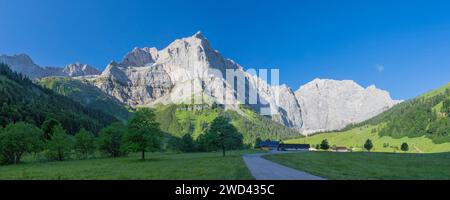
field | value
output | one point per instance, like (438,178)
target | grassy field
(355,139)
(159,166)
(369,166)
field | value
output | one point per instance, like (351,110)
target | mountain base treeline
(23,101)
(180,120)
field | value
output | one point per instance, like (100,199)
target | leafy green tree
(47,127)
(257,142)
(324,145)
(187,143)
(143,133)
(84,143)
(59,145)
(174,143)
(404,147)
(368,145)
(222,135)
(18,139)
(110,139)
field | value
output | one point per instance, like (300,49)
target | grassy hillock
(178,121)
(86,94)
(356,137)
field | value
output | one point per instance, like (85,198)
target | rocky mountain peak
(198,40)
(22,59)
(138,57)
(22,63)
(199,35)
(327,83)
(331,104)
(78,69)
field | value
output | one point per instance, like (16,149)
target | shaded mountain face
(87,95)
(23,100)
(332,105)
(23,64)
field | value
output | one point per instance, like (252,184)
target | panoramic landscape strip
(172,91)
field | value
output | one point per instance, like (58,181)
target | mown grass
(158,166)
(355,139)
(369,166)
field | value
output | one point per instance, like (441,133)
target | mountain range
(23,64)
(190,70)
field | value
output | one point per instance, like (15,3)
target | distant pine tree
(368,145)
(324,145)
(405,147)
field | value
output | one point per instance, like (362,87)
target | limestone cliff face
(188,70)
(134,86)
(331,105)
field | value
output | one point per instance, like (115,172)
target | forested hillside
(427,115)
(86,94)
(179,120)
(22,100)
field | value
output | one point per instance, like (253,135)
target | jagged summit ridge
(78,69)
(22,63)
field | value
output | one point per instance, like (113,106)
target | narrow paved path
(263,169)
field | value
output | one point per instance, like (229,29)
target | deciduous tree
(84,143)
(222,135)
(18,139)
(110,139)
(60,144)
(143,133)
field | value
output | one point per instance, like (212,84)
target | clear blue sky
(400,46)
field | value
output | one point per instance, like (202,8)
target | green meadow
(355,138)
(369,166)
(158,166)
